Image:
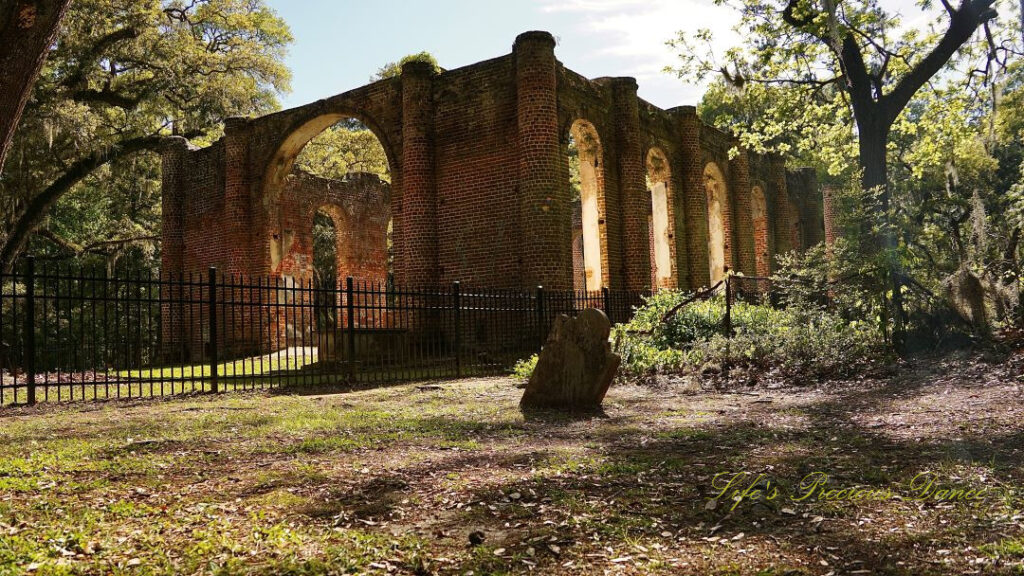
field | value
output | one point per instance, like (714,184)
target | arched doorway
(759,215)
(325,268)
(334,165)
(659,183)
(586,168)
(718,210)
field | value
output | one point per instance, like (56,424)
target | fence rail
(72,334)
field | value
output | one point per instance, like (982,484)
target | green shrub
(524,368)
(798,340)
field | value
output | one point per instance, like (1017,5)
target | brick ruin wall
(359,207)
(480,185)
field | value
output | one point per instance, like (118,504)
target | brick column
(744,255)
(680,225)
(828,209)
(419,193)
(544,201)
(815,223)
(172,202)
(172,246)
(781,220)
(238,245)
(634,200)
(797,200)
(693,196)
(240,251)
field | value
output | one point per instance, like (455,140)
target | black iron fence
(73,334)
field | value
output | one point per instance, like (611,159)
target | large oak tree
(126,77)
(862,57)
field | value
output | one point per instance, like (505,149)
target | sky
(339,44)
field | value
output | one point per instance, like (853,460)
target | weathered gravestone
(576,366)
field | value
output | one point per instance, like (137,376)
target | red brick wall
(480,189)
(743,225)
(477,175)
(542,183)
(360,208)
(828,211)
(419,194)
(759,217)
(694,195)
(635,200)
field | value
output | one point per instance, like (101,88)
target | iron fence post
(456,305)
(728,306)
(350,310)
(30,328)
(540,318)
(212,318)
(606,297)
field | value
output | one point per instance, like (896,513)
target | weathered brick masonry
(480,186)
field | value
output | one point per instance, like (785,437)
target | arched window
(338,163)
(659,178)
(718,210)
(585,152)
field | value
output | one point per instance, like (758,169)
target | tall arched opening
(718,210)
(586,163)
(659,183)
(759,215)
(333,166)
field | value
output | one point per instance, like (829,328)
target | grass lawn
(289,367)
(397,480)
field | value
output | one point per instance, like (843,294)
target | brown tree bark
(27,30)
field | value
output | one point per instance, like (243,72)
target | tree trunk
(27,30)
(874,162)
(874,135)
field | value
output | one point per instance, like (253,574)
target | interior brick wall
(359,205)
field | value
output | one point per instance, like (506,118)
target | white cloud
(631,36)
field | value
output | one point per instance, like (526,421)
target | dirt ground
(917,472)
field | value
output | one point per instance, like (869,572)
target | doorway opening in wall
(327,195)
(325,268)
(586,178)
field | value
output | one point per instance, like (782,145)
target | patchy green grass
(293,369)
(398,480)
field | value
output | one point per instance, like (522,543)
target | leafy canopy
(123,75)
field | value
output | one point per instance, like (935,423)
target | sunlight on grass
(283,361)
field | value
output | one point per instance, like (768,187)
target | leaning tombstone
(576,366)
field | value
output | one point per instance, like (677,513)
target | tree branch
(77,78)
(108,97)
(77,250)
(37,208)
(60,242)
(962,25)
(858,80)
